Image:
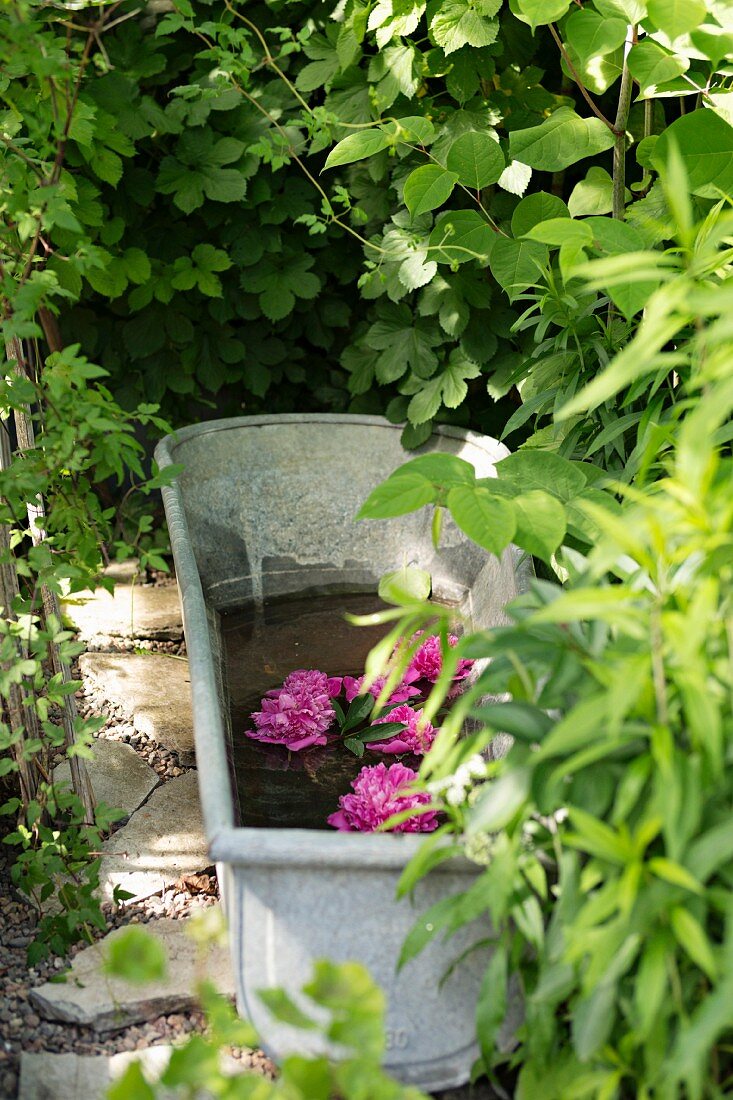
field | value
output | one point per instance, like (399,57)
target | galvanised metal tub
(264,509)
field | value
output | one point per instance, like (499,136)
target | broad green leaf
(427,188)
(611,604)
(405,585)
(705,144)
(594,46)
(499,801)
(559,231)
(594,194)
(413,129)
(676,17)
(440,468)
(537,13)
(530,469)
(515,177)
(650,65)
(563,139)
(476,159)
(517,264)
(397,496)
(358,146)
(404,342)
(281,1005)
(487,519)
(691,937)
(535,208)
(633,11)
(136,956)
(461,236)
(541,523)
(521,720)
(458,23)
(595,837)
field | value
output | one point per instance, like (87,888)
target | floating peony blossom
(415,738)
(354,687)
(428,661)
(380,792)
(298,714)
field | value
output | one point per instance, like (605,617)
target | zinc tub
(263,509)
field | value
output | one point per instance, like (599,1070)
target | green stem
(619,146)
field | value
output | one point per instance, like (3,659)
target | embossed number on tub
(397,1038)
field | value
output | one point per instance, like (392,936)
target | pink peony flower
(428,661)
(415,738)
(297,714)
(354,687)
(379,792)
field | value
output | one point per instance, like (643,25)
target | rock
(71,1076)
(92,998)
(162,841)
(131,611)
(151,689)
(120,778)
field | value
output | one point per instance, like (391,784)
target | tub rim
(242,845)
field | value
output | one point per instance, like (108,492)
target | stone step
(120,778)
(92,998)
(152,689)
(162,841)
(87,1077)
(132,611)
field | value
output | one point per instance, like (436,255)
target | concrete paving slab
(90,997)
(163,840)
(120,778)
(153,690)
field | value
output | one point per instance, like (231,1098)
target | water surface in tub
(277,788)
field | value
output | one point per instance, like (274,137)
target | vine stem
(577,78)
(619,129)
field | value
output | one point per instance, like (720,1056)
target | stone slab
(163,840)
(120,778)
(153,690)
(87,1077)
(131,611)
(92,998)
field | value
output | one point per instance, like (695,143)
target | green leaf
(405,585)
(521,720)
(499,801)
(283,1008)
(541,523)
(487,519)
(676,17)
(476,159)
(530,469)
(517,265)
(559,231)
(593,195)
(358,146)
(413,129)
(397,496)
(136,956)
(427,188)
(591,38)
(461,236)
(132,1085)
(491,1008)
(459,23)
(538,13)
(593,1020)
(651,66)
(404,342)
(563,139)
(675,874)
(691,937)
(705,144)
(441,468)
(538,207)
